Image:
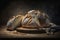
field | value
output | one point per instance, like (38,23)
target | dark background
(10,8)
